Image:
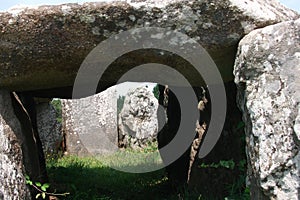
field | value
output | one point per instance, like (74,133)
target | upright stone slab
(267,73)
(137,120)
(90,124)
(12,181)
(50,129)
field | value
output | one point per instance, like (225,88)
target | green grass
(91,179)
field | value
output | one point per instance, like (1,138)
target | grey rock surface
(137,121)
(43,47)
(267,72)
(90,124)
(49,128)
(12,180)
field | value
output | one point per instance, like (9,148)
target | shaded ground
(92,179)
(89,179)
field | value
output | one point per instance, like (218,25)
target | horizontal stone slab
(43,47)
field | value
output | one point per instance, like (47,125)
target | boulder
(267,72)
(90,124)
(137,121)
(12,180)
(49,128)
(43,47)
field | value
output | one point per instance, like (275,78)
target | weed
(56,103)
(42,189)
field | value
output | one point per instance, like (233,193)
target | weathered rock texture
(137,120)
(12,181)
(50,129)
(43,47)
(90,124)
(267,74)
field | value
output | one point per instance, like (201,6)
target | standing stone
(267,73)
(138,119)
(49,128)
(12,181)
(90,124)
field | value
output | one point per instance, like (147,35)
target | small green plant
(56,103)
(42,189)
(229,164)
(240,125)
(151,146)
(187,194)
(156,91)
(238,190)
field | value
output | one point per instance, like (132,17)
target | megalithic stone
(12,180)
(43,47)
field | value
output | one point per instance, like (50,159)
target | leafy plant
(229,164)
(156,91)
(42,189)
(56,103)
(238,190)
(151,147)
(240,125)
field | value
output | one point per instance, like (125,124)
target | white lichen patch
(11,21)
(132,18)
(107,33)
(297,55)
(271,57)
(121,23)
(207,25)
(244,49)
(267,66)
(96,30)
(273,87)
(234,36)
(87,18)
(174,41)
(151,3)
(147,24)
(65,9)
(247,26)
(187,14)
(255,9)
(16,10)
(157,36)
(186,19)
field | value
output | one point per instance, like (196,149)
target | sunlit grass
(91,178)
